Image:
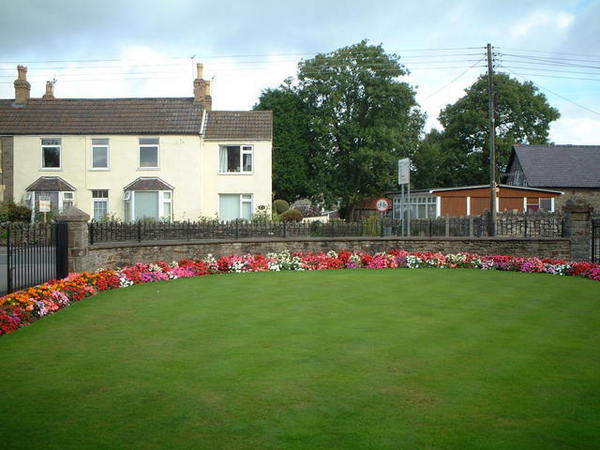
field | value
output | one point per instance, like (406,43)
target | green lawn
(360,359)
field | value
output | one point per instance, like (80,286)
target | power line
(549,52)
(561,96)
(452,81)
(197,57)
(553,76)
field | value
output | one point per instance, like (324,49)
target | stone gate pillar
(77,223)
(578,228)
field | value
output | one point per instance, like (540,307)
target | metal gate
(35,253)
(596,240)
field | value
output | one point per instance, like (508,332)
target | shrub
(306,207)
(280,206)
(10,212)
(292,215)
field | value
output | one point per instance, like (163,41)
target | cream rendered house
(135,158)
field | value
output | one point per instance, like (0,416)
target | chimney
(49,95)
(22,86)
(202,89)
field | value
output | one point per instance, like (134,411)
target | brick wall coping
(134,244)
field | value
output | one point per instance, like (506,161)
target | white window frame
(242,200)
(129,196)
(161,205)
(43,146)
(100,200)
(140,146)
(63,196)
(245,149)
(94,146)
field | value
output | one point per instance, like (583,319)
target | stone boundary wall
(119,254)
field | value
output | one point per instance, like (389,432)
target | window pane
(229,206)
(67,195)
(99,141)
(51,156)
(167,210)
(148,141)
(247,162)
(233,159)
(247,210)
(167,195)
(100,209)
(146,205)
(545,204)
(431,211)
(148,156)
(50,141)
(99,157)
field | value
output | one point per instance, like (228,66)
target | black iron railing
(596,239)
(33,254)
(508,225)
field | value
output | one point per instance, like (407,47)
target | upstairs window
(100,153)
(148,153)
(51,149)
(235,159)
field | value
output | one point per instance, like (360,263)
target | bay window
(153,205)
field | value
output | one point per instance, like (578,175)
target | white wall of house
(185,162)
(258,183)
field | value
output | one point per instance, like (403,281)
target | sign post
(404,179)
(382,205)
(44,207)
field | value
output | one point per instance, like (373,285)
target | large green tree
(362,118)
(522,114)
(293,177)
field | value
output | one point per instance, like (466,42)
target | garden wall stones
(579,229)
(124,253)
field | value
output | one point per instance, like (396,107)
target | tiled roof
(50,184)
(148,184)
(560,166)
(251,125)
(102,116)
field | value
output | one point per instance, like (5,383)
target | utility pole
(492,132)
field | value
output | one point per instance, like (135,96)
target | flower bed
(26,306)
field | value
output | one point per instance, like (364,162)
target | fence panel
(596,240)
(34,253)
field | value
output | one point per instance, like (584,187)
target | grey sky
(71,30)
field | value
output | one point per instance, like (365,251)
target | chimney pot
(22,86)
(202,89)
(49,95)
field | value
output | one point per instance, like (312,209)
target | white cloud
(536,19)
(569,130)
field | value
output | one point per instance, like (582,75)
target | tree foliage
(292,174)
(362,117)
(339,131)
(523,116)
